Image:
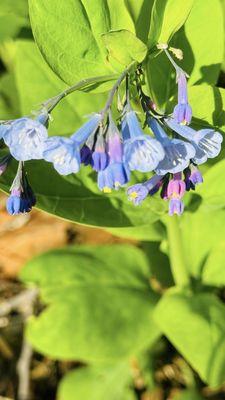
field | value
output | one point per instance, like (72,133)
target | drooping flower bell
(177,152)
(22,198)
(207,142)
(64,153)
(117,173)
(25,137)
(193,177)
(100,157)
(141,152)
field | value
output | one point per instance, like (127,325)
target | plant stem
(176,252)
(115,87)
(52,103)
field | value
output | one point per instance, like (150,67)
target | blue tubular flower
(83,133)
(100,157)
(22,197)
(13,202)
(177,152)
(182,112)
(64,153)
(117,173)
(207,142)
(141,152)
(137,193)
(25,138)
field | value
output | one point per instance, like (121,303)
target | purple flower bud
(195,176)
(100,157)
(176,206)
(86,155)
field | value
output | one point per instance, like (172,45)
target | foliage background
(118,310)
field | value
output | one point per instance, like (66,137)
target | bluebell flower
(64,153)
(100,157)
(207,142)
(22,197)
(117,173)
(141,152)
(25,138)
(177,152)
(13,202)
(84,132)
(182,112)
(138,193)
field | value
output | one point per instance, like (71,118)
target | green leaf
(202,232)
(13,16)
(124,47)
(167,18)
(141,15)
(196,327)
(213,190)
(97,383)
(44,84)
(152,232)
(190,394)
(213,271)
(86,21)
(92,296)
(78,198)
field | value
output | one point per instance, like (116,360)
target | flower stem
(176,252)
(50,104)
(115,87)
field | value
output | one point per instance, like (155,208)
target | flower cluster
(172,150)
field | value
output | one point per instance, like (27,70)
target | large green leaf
(202,54)
(78,198)
(214,271)
(141,15)
(71,41)
(44,84)
(196,327)
(97,383)
(201,232)
(167,19)
(92,295)
(213,190)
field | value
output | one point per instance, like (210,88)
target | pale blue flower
(141,152)
(207,142)
(64,153)
(25,138)
(177,152)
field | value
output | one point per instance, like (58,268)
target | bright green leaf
(196,327)
(124,47)
(167,17)
(97,383)
(214,271)
(95,294)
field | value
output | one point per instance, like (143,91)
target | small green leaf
(92,296)
(196,327)
(124,47)
(97,383)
